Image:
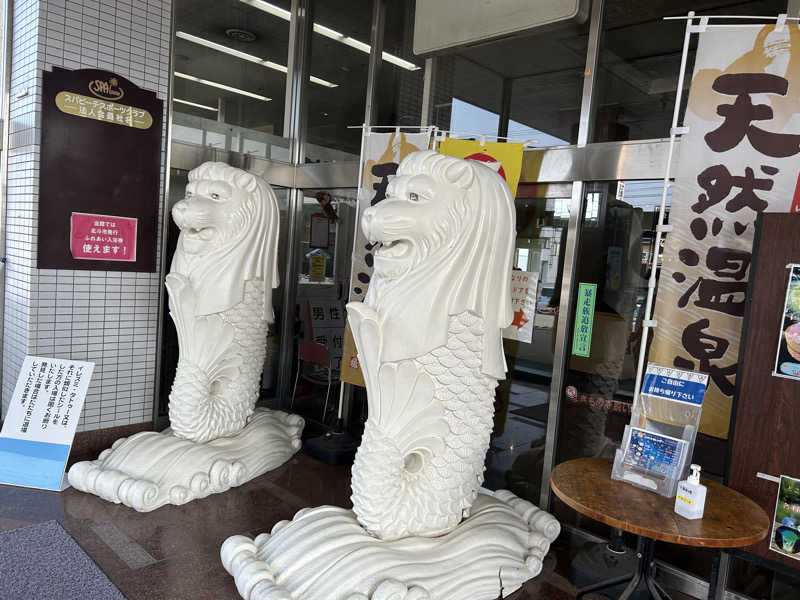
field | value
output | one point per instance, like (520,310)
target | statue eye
(215,196)
(188,194)
(413,197)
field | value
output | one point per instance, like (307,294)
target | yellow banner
(103,110)
(508,155)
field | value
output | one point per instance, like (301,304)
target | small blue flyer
(675,384)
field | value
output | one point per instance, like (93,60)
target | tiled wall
(106,317)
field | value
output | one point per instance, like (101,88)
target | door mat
(43,562)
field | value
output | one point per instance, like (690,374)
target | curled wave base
(324,554)
(151,469)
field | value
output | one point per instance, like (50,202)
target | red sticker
(572,392)
(102,237)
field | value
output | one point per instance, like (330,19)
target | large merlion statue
(429,343)
(220,298)
(429,339)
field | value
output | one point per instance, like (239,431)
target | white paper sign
(524,285)
(40,424)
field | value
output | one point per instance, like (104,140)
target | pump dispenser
(690,502)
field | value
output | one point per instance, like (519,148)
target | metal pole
(647,322)
(428,92)
(294,129)
(576,209)
(375,59)
(8,32)
(370,116)
(505,108)
(160,422)
(220,109)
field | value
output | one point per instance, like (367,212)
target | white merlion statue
(429,343)
(220,298)
(220,292)
(429,340)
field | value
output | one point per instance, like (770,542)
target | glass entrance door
(516,454)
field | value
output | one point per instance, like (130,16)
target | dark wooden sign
(99,172)
(766,408)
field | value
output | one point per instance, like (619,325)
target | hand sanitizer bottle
(690,502)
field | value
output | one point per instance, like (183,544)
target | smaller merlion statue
(429,340)
(220,299)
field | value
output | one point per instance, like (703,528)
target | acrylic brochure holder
(658,443)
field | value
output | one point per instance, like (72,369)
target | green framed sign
(584,319)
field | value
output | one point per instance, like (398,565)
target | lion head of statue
(445,238)
(229,235)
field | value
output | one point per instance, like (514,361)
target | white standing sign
(41,420)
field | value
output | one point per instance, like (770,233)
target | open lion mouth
(394,250)
(199,233)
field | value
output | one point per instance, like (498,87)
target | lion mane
(219,276)
(464,269)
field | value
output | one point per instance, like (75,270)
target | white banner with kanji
(738,159)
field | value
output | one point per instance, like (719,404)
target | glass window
(340,47)
(323,279)
(399,89)
(544,71)
(516,453)
(639,62)
(230,75)
(229,93)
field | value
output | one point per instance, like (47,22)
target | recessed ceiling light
(245,56)
(222,86)
(332,34)
(195,104)
(240,35)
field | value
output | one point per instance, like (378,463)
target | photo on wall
(787,361)
(785,538)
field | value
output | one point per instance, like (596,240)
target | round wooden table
(731,520)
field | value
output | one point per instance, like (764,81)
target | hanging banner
(508,155)
(380,158)
(524,285)
(738,159)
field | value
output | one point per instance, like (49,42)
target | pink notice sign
(102,237)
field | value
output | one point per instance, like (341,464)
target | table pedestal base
(643,579)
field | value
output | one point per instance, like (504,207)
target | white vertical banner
(380,158)
(739,158)
(381,155)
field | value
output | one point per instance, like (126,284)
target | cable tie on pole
(679,130)
(650,323)
(700,27)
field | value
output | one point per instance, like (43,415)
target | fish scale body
(441,493)
(204,411)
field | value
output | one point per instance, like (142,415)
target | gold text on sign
(107,90)
(103,110)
